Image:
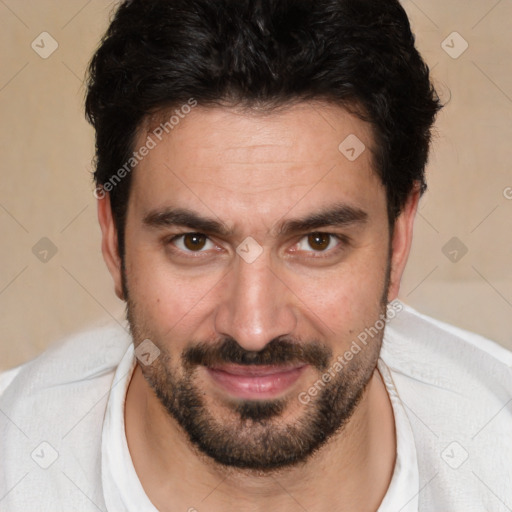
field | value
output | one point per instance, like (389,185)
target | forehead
(256,161)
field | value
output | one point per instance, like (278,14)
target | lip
(256,382)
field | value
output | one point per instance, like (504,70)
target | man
(259,166)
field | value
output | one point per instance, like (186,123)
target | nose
(256,305)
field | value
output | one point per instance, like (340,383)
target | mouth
(255,382)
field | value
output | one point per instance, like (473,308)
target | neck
(352,471)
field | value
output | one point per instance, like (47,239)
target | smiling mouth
(254,381)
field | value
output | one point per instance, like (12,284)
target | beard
(258,435)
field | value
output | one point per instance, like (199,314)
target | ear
(402,240)
(109,242)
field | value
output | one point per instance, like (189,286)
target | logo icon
(455,250)
(44,455)
(454,45)
(44,250)
(454,455)
(352,147)
(44,45)
(146,352)
(249,250)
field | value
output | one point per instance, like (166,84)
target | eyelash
(342,242)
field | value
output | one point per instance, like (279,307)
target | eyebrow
(339,215)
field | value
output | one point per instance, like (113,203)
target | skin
(252,172)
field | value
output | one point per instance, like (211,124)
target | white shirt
(63,445)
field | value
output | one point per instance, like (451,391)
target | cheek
(345,300)
(167,299)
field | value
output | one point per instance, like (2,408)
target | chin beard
(252,434)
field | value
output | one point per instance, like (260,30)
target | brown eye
(194,241)
(319,241)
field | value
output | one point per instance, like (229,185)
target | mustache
(279,351)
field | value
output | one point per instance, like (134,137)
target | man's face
(255,254)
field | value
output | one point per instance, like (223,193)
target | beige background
(46,190)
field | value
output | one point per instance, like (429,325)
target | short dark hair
(359,54)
